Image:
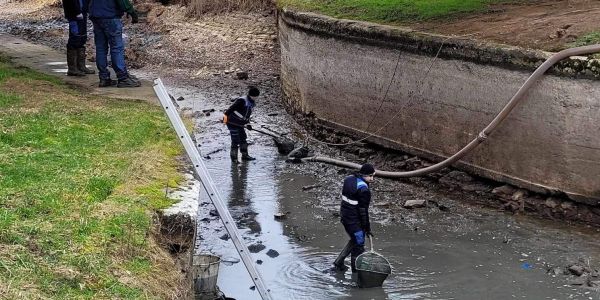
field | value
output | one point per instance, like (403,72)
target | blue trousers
(77,33)
(108,34)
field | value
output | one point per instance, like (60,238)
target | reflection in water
(239,199)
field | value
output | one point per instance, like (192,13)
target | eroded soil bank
(460,246)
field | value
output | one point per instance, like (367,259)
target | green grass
(588,39)
(391,11)
(80,177)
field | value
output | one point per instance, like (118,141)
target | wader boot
(234,153)
(244,150)
(339,261)
(81,62)
(72,63)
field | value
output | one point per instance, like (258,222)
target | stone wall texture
(340,70)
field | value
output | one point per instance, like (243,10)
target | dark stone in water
(284,145)
(272,253)
(255,248)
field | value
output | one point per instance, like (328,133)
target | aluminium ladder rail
(210,187)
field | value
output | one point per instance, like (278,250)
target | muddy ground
(210,60)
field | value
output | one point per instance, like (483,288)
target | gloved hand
(225,119)
(249,126)
(79,17)
(134,16)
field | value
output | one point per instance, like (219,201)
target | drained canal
(447,251)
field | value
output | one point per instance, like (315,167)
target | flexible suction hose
(482,136)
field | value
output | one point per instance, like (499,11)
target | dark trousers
(354,247)
(238,136)
(108,34)
(77,33)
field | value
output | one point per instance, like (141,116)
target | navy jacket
(354,210)
(74,7)
(109,9)
(239,112)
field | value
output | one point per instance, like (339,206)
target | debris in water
(255,248)
(259,262)
(180,98)
(280,216)
(310,187)
(272,253)
(225,237)
(415,203)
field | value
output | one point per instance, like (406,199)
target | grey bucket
(207,268)
(372,269)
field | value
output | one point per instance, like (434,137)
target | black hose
(482,136)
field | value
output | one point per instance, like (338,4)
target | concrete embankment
(339,70)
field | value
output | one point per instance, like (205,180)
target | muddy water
(464,253)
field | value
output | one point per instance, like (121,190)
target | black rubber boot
(234,153)
(244,150)
(107,83)
(81,62)
(353,263)
(339,261)
(128,82)
(72,69)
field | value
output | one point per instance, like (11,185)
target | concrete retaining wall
(339,70)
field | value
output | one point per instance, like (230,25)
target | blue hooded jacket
(109,9)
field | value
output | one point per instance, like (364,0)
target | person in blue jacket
(76,12)
(108,34)
(354,213)
(237,117)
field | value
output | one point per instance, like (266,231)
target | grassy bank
(80,177)
(391,11)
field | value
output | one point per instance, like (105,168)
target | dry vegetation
(198,7)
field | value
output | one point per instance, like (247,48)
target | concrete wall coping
(454,47)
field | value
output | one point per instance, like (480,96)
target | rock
(272,253)
(568,205)
(382,204)
(280,216)
(555,271)
(415,203)
(459,176)
(310,187)
(259,262)
(576,270)
(505,190)
(552,202)
(180,98)
(519,195)
(475,187)
(225,237)
(241,75)
(213,213)
(255,248)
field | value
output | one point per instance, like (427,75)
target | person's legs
(101,42)
(339,261)
(81,55)
(234,132)
(73,44)
(244,145)
(117,54)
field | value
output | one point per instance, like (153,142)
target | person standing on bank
(354,213)
(236,117)
(108,34)
(76,12)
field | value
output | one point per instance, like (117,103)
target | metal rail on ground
(210,187)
